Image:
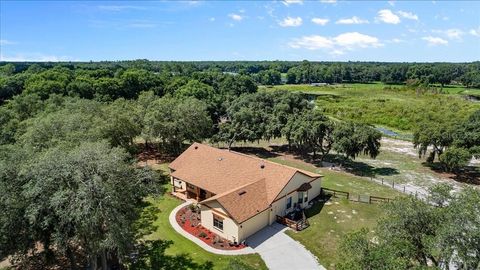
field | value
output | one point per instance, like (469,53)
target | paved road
(279,251)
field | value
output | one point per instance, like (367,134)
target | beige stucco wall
(315,190)
(230,228)
(239,232)
(253,225)
(279,206)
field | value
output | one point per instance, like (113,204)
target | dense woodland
(70,132)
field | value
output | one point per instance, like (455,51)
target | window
(300,197)
(218,222)
(306,197)
(289,202)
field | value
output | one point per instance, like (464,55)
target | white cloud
(408,15)
(475,32)
(352,20)
(7,42)
(387,16)
(328,1)
(34,57)
(355,39)
(433,41)
(292,2)
(391,3)
(291,22)
(453,33)
(313,42)
(320,21)
(194,2)
(235,17)
(336,45)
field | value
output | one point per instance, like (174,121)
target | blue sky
(250,30)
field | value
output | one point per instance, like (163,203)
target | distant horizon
(293,30)
(195,61)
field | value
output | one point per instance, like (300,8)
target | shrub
(454,158)
(202,235)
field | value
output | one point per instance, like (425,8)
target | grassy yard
(181,245)
(328,223)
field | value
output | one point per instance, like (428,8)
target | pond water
(391,133)
(387,132)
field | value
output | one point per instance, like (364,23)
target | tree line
(118,78)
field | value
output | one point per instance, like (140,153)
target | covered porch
(186,191)
(295,220)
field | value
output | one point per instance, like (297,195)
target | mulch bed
(190,222)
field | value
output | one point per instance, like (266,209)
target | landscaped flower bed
(189,219)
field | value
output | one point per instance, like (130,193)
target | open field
(391,106)
(164,231)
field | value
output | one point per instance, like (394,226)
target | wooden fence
(355,197)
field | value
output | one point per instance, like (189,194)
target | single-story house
(240,194)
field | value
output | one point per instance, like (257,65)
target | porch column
(198,193)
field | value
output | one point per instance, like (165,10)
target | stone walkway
(277,249)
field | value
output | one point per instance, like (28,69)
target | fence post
(403,189)
(382,181)
(415,194)
(393,184)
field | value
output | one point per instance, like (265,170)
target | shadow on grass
(468,175)
(318,205)
(257,151)
(148,214)
(354,167)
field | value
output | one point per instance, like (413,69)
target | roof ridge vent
(242,192)
(262,165)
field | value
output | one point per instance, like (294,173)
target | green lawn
(333,221)
(182,245)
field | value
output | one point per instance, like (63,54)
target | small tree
(455,158)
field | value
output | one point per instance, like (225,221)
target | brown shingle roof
(223,172)
(245,201)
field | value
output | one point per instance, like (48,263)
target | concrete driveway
(279,251)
